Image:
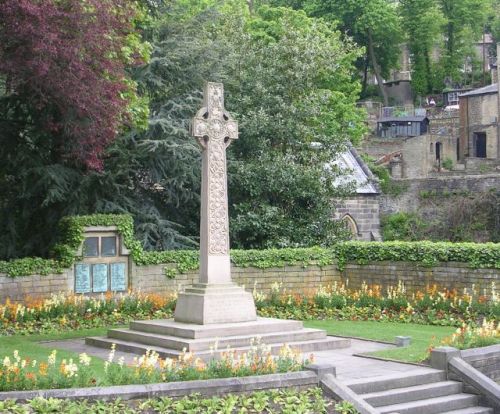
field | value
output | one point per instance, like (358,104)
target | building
(361,211)
(404,126)
(479,124)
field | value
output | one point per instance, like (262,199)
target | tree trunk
(376,69)
(365,77)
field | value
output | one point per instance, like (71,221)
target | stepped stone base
(214,303)
(169,338)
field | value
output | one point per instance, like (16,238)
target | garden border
(311,376)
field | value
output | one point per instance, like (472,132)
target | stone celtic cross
(214,129)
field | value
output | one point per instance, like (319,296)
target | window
(108,246)
(452,98)
(91,247)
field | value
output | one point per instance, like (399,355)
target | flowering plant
(17,373)
(468,336)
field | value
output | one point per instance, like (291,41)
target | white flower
(84,359)
(52,358)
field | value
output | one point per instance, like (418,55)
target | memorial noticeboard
(82,278)
(100,277)
(118,277)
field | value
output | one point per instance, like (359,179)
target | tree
(373,24)
(465,22)
(65,95)
(423,21)
(289,82)
(64,62)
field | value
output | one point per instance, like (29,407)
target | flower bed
(371,303)
(275,401)
(18,373)
(467,336)
(62,312)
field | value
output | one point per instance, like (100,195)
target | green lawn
(28,346)
(421,335)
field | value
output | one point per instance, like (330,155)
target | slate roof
(482,91)
(358,172)
(403,119)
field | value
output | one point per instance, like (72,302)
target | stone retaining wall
(151,279)
(486,360)
(449,275)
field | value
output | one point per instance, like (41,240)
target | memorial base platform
(169,338)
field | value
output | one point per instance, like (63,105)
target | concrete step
(471,410)
(417,392)
(390,382)
(432,405)
(184,330)
(324,344)
(204,344)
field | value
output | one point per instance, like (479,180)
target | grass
(29,346)
(422,336)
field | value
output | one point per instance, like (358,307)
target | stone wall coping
(336,389)
(210,387)
(471,376)
(484,352)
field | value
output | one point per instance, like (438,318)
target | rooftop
(482,91)
(357,172)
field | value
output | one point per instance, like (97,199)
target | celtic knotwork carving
(214,129)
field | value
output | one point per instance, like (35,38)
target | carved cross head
(213,122)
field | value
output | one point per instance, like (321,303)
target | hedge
(476,255)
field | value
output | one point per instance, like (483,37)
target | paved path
(348,365)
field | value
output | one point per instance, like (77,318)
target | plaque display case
(103,265)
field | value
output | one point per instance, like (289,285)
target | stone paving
(348,365)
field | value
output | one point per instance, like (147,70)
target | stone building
(479,126)
(361,211)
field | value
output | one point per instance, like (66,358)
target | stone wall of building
(151,279)
(480,114)
(364,209)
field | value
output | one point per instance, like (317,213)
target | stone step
(432,405)
(471,410)
(184,330)
(417,392)
(204,344)
(389,382)
(324,344)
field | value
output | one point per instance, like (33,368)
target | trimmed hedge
(476,255)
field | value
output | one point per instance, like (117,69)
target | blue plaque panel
(100,277)
(118,277)
(82,278)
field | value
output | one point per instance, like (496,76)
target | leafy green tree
(465,22)
(289,82)
(373,24)
(423,21)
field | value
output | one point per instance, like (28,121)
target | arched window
(432,148)
(351,225)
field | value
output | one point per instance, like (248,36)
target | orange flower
(42,369)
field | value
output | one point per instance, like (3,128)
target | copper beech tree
(64,62)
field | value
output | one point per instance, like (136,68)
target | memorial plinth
(215,310)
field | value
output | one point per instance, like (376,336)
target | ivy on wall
(476,255)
